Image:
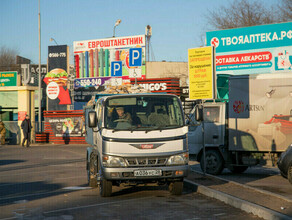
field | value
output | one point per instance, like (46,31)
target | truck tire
(237,169)
(289,173)
(214,162)
(176,188)
(92,171)
(105,186)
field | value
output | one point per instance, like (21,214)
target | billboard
(8,79)
(110,57)
(201,73)
(253,50)
(57,78)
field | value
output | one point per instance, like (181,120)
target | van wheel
(92,171)
(176,188)
(105,186)
(214,162)
(289,173)
(237,169)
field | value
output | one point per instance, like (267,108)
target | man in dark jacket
(26,128)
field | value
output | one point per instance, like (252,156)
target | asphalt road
(49,182)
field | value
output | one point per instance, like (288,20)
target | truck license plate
(147,173)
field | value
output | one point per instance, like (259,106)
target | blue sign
(253,50)
(250,38)
(135,56)
(116,68)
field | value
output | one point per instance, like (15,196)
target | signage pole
(40,78)
(203,137)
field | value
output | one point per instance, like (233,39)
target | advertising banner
(201,73)
(253,50)
(110,57)
(8,79)
(58,74)
(34,70)
(64,127)
(160,85)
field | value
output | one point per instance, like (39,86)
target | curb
(249,187)
(244,205)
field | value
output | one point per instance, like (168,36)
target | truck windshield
(143,113)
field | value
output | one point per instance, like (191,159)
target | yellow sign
(201,73)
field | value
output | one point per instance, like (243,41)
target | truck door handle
(215,136)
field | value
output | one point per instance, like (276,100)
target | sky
(176,24)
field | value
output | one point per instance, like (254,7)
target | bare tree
(7,56)
(285,10)
(240,13)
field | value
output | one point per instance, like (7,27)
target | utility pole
(40,77)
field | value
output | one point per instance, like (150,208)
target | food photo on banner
(56,78)
(70,126)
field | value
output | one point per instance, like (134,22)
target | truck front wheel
(105,186)
(214,162)
(176,188)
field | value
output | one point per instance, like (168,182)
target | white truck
(253,126)
(149,146)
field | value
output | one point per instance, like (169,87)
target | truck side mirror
(199,115)
(92,119)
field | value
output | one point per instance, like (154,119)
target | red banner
(243,58)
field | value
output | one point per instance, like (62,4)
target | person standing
(2,132)
(26,129)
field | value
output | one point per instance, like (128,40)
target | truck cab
(136,138)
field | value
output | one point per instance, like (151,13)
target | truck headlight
(179,159)
(111,161)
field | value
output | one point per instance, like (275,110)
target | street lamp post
(116,24)
(52,39)
(40,78)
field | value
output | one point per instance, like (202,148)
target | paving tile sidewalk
(267,200)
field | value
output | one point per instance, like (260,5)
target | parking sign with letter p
(135,56)
(116,68)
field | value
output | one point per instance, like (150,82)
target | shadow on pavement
(7,162)
(13,192)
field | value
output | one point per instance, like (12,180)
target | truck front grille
(145,161)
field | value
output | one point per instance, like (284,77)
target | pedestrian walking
(2,132)
(26,129)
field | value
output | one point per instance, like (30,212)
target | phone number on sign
(57,54)
(88,82)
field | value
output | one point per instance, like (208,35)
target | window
(143,112)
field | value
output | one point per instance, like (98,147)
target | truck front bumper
(129,173)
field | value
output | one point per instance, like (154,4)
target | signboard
(8,79)
(94,58)
(66,127)
(117,68)
(135,57)
(53,90)
(34,70)
(253,50)
(58,73)
(160,85)
(201,73)
(96,82)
